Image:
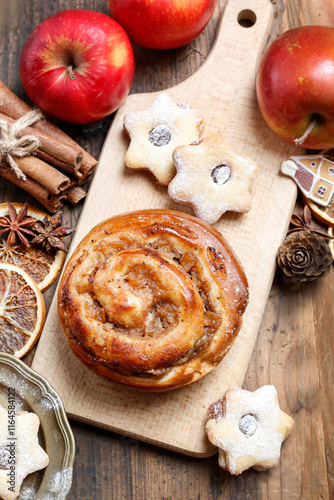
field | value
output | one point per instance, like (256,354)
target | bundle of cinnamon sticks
(58,167)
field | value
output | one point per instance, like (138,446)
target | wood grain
(228,105)
(111,466)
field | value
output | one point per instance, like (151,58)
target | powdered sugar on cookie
(20,453)
(248,428)
(212,178)
(156,132)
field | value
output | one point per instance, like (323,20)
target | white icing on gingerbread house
(313,174)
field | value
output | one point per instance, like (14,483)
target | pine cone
(304,257)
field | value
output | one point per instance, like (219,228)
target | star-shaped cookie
(248,428)
(156,132)
(20,453)
(212,179)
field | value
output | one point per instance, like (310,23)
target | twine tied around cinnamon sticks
(12,146)
(56,166)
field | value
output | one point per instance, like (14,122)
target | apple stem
(307,132)
(70,72)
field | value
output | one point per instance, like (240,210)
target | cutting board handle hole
(246,18)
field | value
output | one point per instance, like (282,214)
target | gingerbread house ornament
(313,174)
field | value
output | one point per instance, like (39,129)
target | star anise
(305,225)
(16,226)
(50,233)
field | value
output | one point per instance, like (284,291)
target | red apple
(295,86)
(77,65)
(162,24)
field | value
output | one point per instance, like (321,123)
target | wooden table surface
(294,349)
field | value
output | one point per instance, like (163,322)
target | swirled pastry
(152,299)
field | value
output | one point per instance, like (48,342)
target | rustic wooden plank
(294,351)
(286,356)
(110,466)
(228,105)
(204,479)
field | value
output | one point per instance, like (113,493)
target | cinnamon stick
(49,177)
(55,202)
(75,194)
(87,167)
(12,106)
(69,157)
(65,166)
(43,195)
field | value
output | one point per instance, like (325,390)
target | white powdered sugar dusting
(27,492)
(61,483)
(47,403)
(28,398)
(248,425)
(251,430)
(212,179)
(156,132)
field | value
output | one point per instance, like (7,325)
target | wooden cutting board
(223,90)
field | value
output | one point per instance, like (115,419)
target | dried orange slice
(22,311)
(43,267)
(323,214)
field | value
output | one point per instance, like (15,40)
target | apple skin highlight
(162,24)
(77,66)
(295,86)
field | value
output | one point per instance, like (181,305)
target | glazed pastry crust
(153,299)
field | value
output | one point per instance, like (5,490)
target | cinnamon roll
(152,299)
